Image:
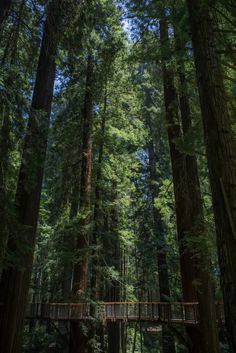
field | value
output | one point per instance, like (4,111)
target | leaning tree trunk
(221,151)
(16,279)
(78,339)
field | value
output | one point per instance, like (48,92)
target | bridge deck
(173,313)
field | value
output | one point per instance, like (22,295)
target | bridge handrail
(169,312)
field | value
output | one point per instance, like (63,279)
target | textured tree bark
(4,202)
(221,147)
(178,162)
(201,256)
(15,281)
(4,10)
(78,338)
(178,169)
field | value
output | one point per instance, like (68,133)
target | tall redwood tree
(221,150)
(188,215)
(78,339)
(15,279)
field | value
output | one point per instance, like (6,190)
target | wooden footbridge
(161,312)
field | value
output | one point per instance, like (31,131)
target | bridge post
(36,309)
(169,312)
(195,311)
(106,311)
(182,312)
(159,310)
(42,310)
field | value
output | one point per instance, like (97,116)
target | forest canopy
(117,176)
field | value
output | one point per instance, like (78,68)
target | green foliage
(128,116)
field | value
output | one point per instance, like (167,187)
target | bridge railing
(131,311)
(58,311)
(186,313)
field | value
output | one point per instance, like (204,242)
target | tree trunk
(16,31)
(4,202)
(114,291)
(78,339)
(97,226)
(180,183)
(221,147)
(201,258)
(164,287)
(15,281)
(70,243)
(4,11)
(113,330)
(97,217)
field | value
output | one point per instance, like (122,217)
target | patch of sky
(61,81)
(136,20)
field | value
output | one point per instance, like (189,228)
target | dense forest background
(117,170)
